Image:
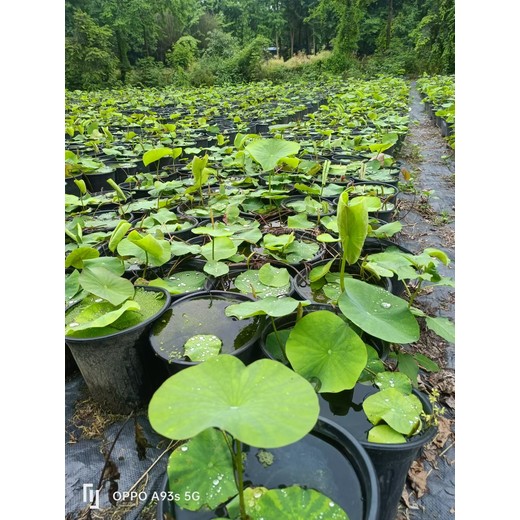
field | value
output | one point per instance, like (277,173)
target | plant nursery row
(233,267)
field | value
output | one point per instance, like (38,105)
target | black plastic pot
(286,205)
(124,170)
(391,461)
(301,236)
(183,234)
(168,269)
(446,128)
(120,369)
(203,312)
(392,178)
(345,158)
(379,188)
(97,182)
(287,322)
(71,367)
(109,205)
(101,223)
(302,283)
(70,186)
(378,245)
(227,282)
(328,459)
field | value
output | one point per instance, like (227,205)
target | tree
(435,37)
(347,37)
(182,54)
(90,62)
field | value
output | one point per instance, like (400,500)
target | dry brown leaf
(444,381)
(444,432)
(417,477)
(405,497)
(430,456)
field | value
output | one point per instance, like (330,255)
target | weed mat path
(427,212)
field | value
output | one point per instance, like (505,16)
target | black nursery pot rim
(415,441)
(142,324)
(352,450)
(194,295)
(289,319)
(303,274)
(294,198)
(239,268)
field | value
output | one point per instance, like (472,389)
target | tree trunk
(122,47)
(389,23)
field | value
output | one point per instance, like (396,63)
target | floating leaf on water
(202,347)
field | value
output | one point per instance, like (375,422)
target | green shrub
(150,73)
(90,62)
(182,55)
(201,75)
(247,64)
(221,45)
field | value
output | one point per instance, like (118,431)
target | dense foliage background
(204,42)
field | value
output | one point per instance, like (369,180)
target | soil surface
(427,212)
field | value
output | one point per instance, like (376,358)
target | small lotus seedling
(220,405)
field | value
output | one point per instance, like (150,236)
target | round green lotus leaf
(181,282)
(321,345)
(296,502)
(277,242)
(250,282)
(383,434)
(215,268)
(71,285)
(204,463)
(219,248)
(251,497)
(399,411)
(299,221)
(378,312)
(275,344)
(267,152)
(299,251)
(332,291)
(265,404)
(273,276)
(202,347)
(374,365)
(396,380)
(148,250)
(76,257)
(270,306)
(105,284)
(318,272)
(219,230)
(113,264)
